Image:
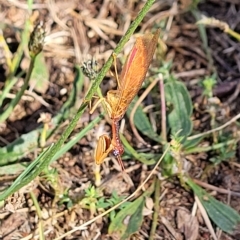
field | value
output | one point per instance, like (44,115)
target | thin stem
(210,148)
(15,101)
(234,119)
(15,62)
(39,213)
(163,107)
(156,209)
(233,34)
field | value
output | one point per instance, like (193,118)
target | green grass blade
(76,139)
(29,141)
(140,157)
(31,172)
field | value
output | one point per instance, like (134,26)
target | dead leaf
(187,224)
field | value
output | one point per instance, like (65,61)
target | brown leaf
(187,224)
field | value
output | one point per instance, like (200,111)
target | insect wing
(134,71)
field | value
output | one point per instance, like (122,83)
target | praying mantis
(117,101)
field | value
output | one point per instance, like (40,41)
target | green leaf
(148,159)
(189,144)
(76,139)
(128,220)
(39,164)
(19,148)
(142,123)
(16,168)
(32,171)
(178,100)
(225,217)
(40,75)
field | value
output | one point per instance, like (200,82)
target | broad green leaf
(225,217)
(189,144)
(128,220)
(16,168)
(40,75)
(142,123)
(19,148)
(180,105)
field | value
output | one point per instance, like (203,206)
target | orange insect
(117,101)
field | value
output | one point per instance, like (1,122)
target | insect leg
(115,68)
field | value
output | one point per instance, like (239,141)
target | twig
(234,119)
(206,218)
(38,98)
(39,213)
(217,189)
